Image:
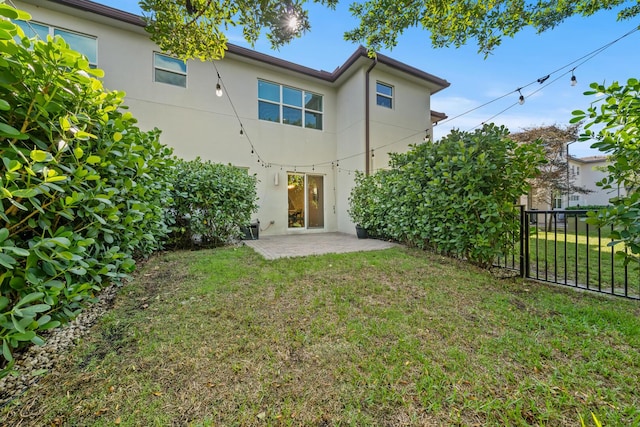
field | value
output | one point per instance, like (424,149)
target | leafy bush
(82,189)
(455,196)
(618,116)
(211,202)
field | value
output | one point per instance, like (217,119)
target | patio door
(306,200)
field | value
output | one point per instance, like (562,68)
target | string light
(574,81)
(521,98)
(218,86)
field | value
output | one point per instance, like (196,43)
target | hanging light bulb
(218,87)
(521,99)
(574,81)
(241,131)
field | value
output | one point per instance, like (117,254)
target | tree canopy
(195,28)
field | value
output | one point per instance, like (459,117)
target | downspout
(367,145)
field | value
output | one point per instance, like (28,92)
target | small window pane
(292,96)
(168,77)
(268,111)
(292,116)
(384,89)
(83,44)
(312,120)
(31,29)
(313,101)
(384,101)
(268,91)
(169,63)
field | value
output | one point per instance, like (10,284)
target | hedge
(455,196)
(82,189)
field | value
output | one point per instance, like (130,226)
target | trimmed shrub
(82,189)
(455,196)
(211,201)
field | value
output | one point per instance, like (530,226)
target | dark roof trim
(107,11)
(437,116)
(130,18)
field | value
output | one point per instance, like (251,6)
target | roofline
(133,19)
(438,116)
(106,11)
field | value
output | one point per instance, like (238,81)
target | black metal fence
(559,246)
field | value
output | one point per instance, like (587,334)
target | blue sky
(476,80)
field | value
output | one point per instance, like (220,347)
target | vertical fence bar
(588,249)
(599,259)
(613,290)
(565,255)
(527,242)
(626,274)
(524,222)
(547,223)
(555,250)
(575,235)
(537,251)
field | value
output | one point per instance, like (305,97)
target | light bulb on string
(574,81)
(218,86)
(521,98)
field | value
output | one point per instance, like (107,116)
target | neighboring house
(587,171)
(584,172)
(312,129)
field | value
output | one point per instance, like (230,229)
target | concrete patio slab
(297,245)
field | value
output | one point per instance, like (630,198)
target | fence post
(523,222)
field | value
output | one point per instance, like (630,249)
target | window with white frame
(86,45)
(288,105)
(577,170)
(574,198)
(169,70)
(384,95)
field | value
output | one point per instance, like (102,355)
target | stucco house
(303,132)
(587,171)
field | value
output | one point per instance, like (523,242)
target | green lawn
(389,338)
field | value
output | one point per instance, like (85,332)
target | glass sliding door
(305,200)
(315,201)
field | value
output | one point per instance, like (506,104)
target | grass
(396,337)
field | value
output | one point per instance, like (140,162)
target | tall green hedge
(456,196)
(211,201)
(82,189)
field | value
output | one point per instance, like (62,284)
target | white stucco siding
(351,143)
(394,129)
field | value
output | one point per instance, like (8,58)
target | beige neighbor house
(303,132)
(587,171)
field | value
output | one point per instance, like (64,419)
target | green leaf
(4,105)
(9,131)
(4,234)
(92,160)
(7,261)
(6,352)
(39,156)
(30,298)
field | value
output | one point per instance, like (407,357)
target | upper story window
(384,95)
(288,105)
(86,45)
(169,70)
